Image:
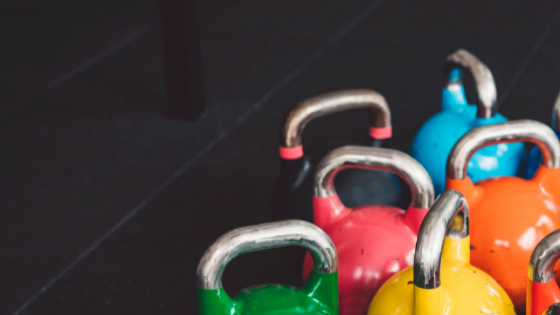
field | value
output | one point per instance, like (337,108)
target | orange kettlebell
(509,215)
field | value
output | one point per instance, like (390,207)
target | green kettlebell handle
(212,297)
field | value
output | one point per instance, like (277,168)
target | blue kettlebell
(535,156)
(435,139)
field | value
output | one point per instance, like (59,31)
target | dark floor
(108,205)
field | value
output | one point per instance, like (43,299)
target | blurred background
(108,202)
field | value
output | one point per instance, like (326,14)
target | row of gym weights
(366,255)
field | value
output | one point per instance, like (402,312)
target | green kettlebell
(319,294)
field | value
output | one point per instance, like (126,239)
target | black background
(85,141)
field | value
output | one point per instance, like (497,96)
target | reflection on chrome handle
(556,114)
(485,85)
(380,159)
(306,111)
(544,257)
(437,224)
(261,237)
(512,131)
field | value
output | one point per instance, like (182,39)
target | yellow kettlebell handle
(449,216)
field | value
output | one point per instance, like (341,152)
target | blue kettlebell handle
(462,60)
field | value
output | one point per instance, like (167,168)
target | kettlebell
(442,280)
(436,137)
(294,186)
(542,291)
(510,215)
(374,241)
(535,156)
(319,294)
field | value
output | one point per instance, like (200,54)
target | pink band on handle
(381,133)
(291,153)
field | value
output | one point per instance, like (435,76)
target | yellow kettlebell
(442,280)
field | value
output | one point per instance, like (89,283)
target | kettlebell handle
(544,257)
(261,237)
(485,84)
(512,131)
(380,159)
(554,309)
(436,225)
(306,111)
(556,114)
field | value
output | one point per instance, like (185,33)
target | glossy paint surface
(318,296)
(464,289)
(373,243)
(509,217)
(435,139)
(534,160)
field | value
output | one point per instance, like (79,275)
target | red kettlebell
(373,242)
(542,290)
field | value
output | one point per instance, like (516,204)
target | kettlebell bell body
(509,215)
(319,295)
(543,293)
(295,182)
(373,242)
(442,280)
(436,137)
(535,156)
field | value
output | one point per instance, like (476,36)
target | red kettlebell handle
(542,289)
(329,103)
(485,85)
(329,205)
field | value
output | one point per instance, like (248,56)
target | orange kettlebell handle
(513,131)
(542,290)
(328,206)
(329,103)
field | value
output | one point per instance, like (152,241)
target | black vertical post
(182,58)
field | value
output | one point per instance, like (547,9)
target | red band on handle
(540,296)
(381,133)
(291,153)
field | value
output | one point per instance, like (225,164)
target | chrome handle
(485,85)
(544,257)
(380,159)
(306,111)
(436,225)
(261,237)
(556,114)
(512,131)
